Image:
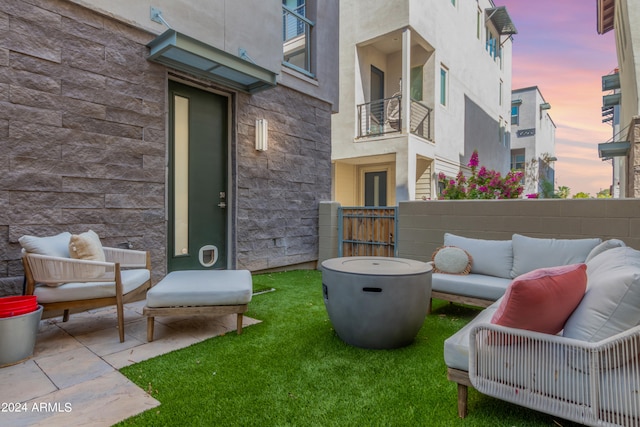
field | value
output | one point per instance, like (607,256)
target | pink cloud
(557,48)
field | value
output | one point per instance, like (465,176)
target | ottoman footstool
(212,292)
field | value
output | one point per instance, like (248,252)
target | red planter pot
(17,305)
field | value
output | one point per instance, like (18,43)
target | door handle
(222,205)
(223,196)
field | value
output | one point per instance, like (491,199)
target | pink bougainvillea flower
(473,161)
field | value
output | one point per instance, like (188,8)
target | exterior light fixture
(262,135)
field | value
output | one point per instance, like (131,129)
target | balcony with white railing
(385,116)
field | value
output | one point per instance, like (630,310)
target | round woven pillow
(451,260)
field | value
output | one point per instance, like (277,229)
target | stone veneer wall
(279,190)
(82,133)
(83,145)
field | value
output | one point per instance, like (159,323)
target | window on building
(453,2)
(491,42)
(500,94)
(515,114)
(479,24)
(296,35)
(517,159)
(444,85)
(506,136)
(493,45)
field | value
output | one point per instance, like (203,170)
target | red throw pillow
(542,300)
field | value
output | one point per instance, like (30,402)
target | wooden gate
(367,231)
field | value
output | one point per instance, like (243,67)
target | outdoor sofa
(570,347)
(495,263)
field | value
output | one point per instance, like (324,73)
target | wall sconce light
(262,135)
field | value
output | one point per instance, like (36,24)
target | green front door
(198,127)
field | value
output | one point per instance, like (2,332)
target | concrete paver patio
(72,379)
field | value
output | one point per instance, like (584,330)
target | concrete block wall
(328,231)
(422,224)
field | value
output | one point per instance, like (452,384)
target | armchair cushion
(131,279)
(543,299)
(57,245)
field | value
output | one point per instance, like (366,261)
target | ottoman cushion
(202,288)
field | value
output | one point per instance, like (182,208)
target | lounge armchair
(64,283)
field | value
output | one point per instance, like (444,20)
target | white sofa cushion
(471,285)
(611,303)
(490,257)
(604,246)
(57,245)
(456,347)
(530,253)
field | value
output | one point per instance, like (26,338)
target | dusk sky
(558,49)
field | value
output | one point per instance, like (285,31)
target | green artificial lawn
(293,370)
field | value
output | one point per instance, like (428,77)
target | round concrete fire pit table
(376,302)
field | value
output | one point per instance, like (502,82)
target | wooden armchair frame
(58,270)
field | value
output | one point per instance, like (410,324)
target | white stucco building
(624,148)
(422,85)
(533,138)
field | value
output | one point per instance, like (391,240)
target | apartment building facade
(533,139)
(139,120)
(623,89)
(423,84)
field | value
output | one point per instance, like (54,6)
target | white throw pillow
(57,245)
(531,253)
(611,303)
(490,257)
(451,260)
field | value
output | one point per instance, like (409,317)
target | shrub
(482,184)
